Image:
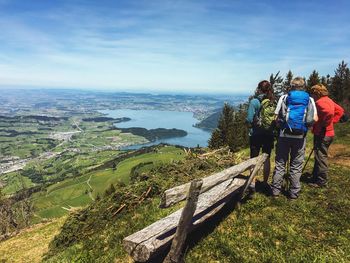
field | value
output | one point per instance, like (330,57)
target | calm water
(153,119)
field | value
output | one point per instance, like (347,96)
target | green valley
(79,191)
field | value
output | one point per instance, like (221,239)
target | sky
(205,46)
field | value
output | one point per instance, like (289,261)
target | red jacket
(328,113)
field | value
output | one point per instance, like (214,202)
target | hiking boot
(266,188)
(292,198)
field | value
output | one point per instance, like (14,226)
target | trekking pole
(313,149)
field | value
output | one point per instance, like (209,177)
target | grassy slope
(73,192)
(315,228)
(14,182)
(30,244)
(95,234)
(33,242)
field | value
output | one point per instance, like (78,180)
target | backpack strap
(309,114)
(264,102)
(284,109)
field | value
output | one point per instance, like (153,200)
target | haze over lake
(153,119)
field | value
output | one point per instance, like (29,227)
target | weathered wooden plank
(178,193)
(152,239)
(175,253)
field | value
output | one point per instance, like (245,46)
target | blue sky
(164,45)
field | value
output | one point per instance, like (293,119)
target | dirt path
(90,192)
(339,154)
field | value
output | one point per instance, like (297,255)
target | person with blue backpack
(295,113)
(261,119)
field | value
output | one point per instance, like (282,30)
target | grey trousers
(321,145)
(295,147)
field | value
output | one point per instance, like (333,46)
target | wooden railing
(205,197)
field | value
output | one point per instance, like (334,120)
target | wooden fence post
(257,167)
(175,253)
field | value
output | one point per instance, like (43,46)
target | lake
(153,119)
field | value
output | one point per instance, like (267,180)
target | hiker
(260,117)
(295,113)
(328,113)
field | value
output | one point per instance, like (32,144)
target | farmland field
(80,191)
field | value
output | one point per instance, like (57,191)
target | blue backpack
(297,112)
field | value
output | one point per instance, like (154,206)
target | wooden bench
(214,192)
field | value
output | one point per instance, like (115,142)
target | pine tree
(313,79)
(276,82)
(216,140)
(232,130)
(240,129)
(282,88)
(222,134)
(326,81)
(340,83)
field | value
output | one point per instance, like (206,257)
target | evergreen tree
(326,81)
(340,83)
(232,130)
(222,134)
(276,82)
(313,79)
(216,140)
(240,128)
(282,88)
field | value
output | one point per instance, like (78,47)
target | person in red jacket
(328,113)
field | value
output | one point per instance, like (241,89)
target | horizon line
(120,90)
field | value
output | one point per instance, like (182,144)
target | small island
(154,134)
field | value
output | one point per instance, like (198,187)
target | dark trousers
(260,142)
(321,145)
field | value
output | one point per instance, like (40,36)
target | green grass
(74,192)
(101,230)
(314,228)
(25,145)
(122,173)
(15,182)
(30,244)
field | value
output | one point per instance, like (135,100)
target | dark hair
(264,87)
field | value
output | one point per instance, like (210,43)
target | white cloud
(162,45)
